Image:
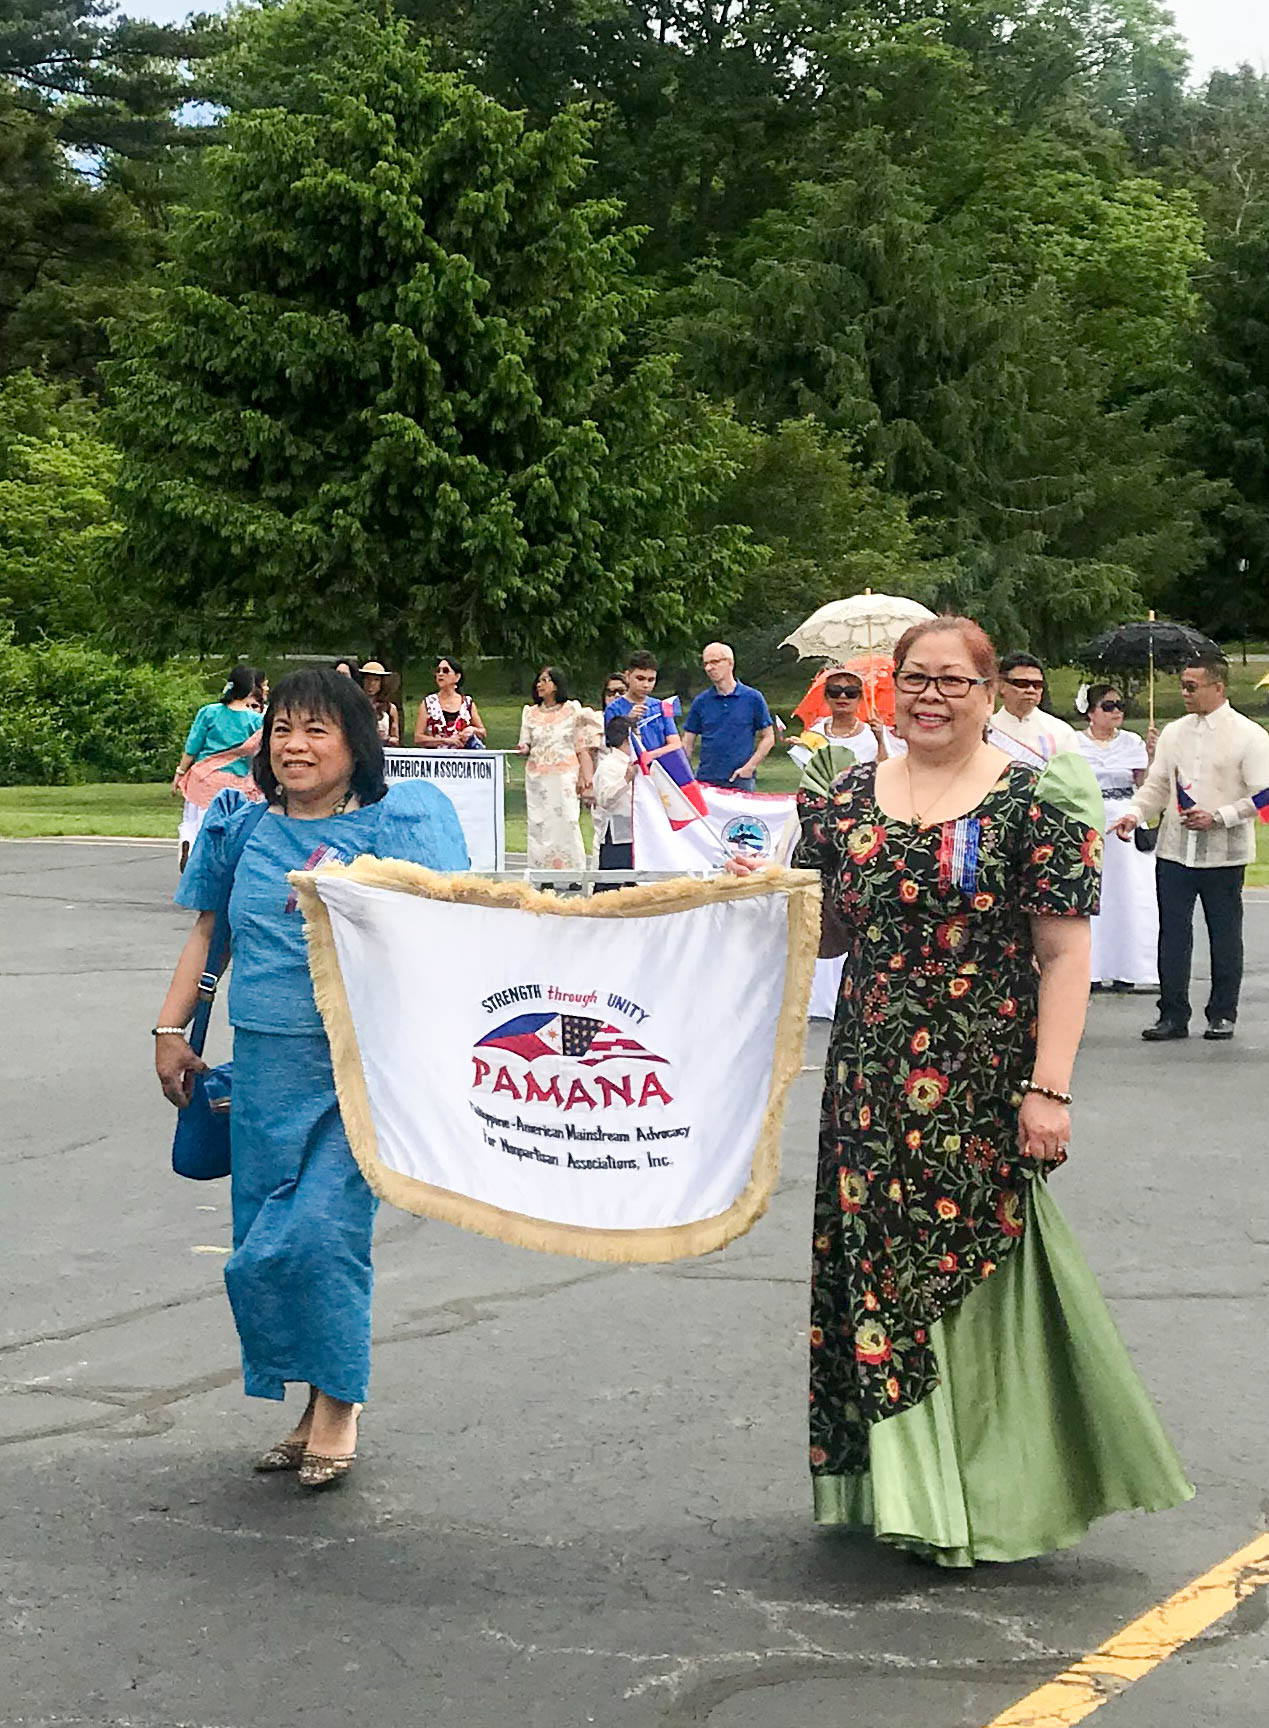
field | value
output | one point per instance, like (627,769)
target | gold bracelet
(1048,1092)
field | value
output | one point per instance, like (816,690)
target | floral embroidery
(935,1031)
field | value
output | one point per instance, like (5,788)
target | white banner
(754,822)
(601,1077)
(474,781)
(758,823)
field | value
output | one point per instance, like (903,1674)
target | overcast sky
(1220,32)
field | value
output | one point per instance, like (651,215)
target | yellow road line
(1140,1647)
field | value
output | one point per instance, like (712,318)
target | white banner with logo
(601,1077)
(762,824)
(475,782)
(757,823)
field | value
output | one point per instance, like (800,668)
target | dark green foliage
(385,391)
(1231,433)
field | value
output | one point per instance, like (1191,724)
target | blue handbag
(200,1146)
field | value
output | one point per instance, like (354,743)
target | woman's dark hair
(1097,691)
(616,731)
(454,664)
(321,692)
(243,681)
(349,660)
(557,677)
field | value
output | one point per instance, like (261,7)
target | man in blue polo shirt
(733,723)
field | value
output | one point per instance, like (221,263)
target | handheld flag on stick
(672,774)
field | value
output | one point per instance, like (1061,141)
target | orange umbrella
(876,672)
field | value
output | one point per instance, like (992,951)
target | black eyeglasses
(1112,707)
(1025,683)
(951,684)
(835,692)
(1189,686)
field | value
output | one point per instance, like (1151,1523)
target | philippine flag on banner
(1185,799)
(682,804)
(1261,801)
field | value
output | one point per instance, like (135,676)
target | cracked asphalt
(582,1496)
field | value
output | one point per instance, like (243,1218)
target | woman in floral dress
(559,738)
(970,1396)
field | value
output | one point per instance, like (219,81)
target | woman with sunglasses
(1125,933)
(866,740)
(449,720)
(970,1396)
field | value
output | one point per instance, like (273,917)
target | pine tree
(385,392)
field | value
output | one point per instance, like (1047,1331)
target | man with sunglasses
(1018,725)
(1209,777)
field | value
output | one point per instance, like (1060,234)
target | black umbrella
(1156,646)
(1130,646)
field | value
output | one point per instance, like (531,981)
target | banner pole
(1150,644)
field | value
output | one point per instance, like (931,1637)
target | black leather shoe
(1163,1030)
(1218,1031)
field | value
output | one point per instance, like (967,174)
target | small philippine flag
(588,1040)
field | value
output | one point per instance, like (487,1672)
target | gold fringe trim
(675,1242)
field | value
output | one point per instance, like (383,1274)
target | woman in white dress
(559,738)
(1126,930)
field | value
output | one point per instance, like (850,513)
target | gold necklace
(941,792)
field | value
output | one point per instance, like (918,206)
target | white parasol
(867,623)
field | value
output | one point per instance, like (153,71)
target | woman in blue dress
(299,1277)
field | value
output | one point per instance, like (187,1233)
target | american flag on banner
(587,1040)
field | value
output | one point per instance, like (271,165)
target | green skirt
(1039,1425)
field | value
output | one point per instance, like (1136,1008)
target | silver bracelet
(165,1031)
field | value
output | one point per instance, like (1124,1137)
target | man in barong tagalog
(955,1328)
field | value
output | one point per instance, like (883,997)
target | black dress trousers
(1221,891)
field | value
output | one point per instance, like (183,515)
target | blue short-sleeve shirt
(270,989)
(658,724)
(727,727)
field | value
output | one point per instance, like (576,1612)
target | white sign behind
(475,783)
(757,823)
(602,1078)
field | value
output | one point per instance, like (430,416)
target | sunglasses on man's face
(1111,707)
(840,692)
(1025,683)
(1190,685)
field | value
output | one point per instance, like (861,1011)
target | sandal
(286,1455)
(321,1470)
(318,1471)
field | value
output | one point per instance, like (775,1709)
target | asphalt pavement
(582,1496)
